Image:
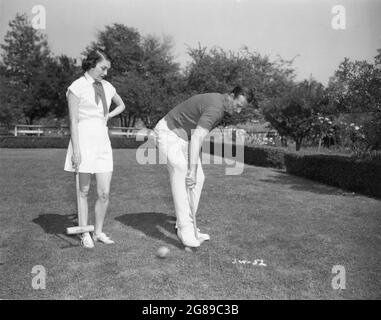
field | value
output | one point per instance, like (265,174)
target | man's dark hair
(92,59)
(248,93)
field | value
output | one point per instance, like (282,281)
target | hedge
(362,176)
(61,142)
(264,156)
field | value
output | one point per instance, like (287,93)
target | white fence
(251,137)
(128,131)
(41,130)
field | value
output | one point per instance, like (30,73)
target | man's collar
(89,78)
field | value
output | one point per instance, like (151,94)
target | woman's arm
(73,102)
(119,106)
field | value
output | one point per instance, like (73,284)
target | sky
(300,29)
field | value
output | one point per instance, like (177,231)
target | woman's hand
(191,179)
(76,160)
(107,118)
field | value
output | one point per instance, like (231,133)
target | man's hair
(248,93)
(92,59)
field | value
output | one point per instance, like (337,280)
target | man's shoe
(203,236)
(187,236)
(102,238)
(86,240)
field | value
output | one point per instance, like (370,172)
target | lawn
(299,229)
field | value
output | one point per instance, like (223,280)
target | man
(179,137)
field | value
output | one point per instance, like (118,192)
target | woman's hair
(248,93)
(92,59)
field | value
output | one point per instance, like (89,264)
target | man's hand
(191,179)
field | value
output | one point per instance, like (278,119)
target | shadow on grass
(152,224)
(303,184)
(56,225)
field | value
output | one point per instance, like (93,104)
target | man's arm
(197,138)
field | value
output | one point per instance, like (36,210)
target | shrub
(362,176)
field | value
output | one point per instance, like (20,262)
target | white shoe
(203,236)
(86,240)
(187,236)
(102,238)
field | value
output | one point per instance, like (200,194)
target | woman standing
(89,152)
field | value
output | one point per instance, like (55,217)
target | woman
(89,152)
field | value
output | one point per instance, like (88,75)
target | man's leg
(178,167)
(196,194)
(173,149)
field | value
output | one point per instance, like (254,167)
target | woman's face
(100,70)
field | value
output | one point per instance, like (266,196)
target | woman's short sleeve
(110,89)
(75,88)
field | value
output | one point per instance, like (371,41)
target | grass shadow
(152,224)
(56,224)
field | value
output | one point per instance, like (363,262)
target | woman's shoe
(102,238)
(86,240)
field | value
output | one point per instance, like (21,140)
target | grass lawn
(299,228)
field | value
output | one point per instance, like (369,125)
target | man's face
(239,103)
(100,70)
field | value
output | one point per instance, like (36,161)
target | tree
(24,57)
(355,90)
(61,71)
(143,71)
(219,71)
(293,114)
(122,45)
(356,87)
(10,111)
(154,90)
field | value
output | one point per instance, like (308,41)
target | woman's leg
(84,187)
(103,190)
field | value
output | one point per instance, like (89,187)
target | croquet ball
(162,252)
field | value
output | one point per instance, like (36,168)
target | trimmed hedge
(265,156)
(362,176)
(61,142)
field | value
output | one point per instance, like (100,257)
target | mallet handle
(191,196)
